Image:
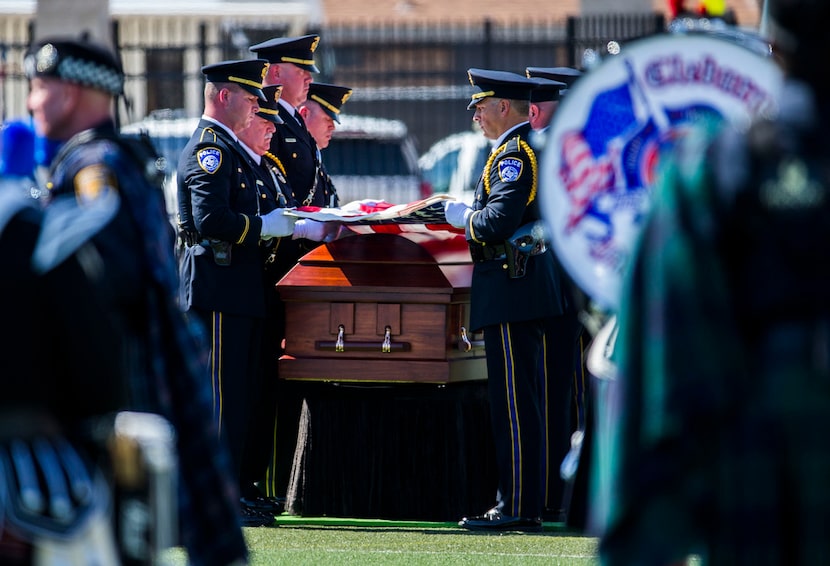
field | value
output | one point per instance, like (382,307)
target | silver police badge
(510,169)
(210,159)
(46,58)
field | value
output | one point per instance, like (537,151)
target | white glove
(316,231)
(457,213)
(277,224)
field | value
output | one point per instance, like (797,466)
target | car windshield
(354,156)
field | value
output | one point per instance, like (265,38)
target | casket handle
(339,345)
(466,345)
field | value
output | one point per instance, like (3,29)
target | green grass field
(337,542)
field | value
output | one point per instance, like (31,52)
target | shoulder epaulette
(207,131)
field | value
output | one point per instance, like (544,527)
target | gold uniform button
(504,266)
(294,155)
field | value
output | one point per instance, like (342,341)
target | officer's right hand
(277,224)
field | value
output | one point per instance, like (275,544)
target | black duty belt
(488,252)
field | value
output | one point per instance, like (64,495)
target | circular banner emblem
(598,164)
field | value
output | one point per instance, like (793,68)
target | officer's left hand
(457,213)
(316,231)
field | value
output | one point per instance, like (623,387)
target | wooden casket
(382,308)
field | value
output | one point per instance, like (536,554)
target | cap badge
(46,58)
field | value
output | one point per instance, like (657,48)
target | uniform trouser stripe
(546,413)
(513,419)
(216,366)
(513,352)
(271,472)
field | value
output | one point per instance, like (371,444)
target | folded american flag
(371,216)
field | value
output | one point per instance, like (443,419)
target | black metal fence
(414,72)
(418,73)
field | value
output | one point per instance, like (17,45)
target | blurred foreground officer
(101,191)
(724,343)
(505,275)
(321,113)
(59,369)
(292,63)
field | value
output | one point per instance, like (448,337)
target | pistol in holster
(527,241)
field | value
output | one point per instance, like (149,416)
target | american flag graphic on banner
(381,217)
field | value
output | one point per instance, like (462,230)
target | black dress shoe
(251,518)
(494,521)
(267,505)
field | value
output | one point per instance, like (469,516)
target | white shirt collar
(506,135)
(221,125)
(255,156)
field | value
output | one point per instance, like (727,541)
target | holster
(221,251)
(526,242)
(516,262)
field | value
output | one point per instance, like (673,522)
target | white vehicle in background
(453,164)
(367,158)
(374,158)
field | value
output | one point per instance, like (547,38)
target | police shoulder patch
(210,159)
(510,169)
(92,182)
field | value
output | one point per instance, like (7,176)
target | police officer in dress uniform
(505,278)
(273,193)
(567,75)
(100,192)
(292,63)
(222,218)
(563,373)
(321,112)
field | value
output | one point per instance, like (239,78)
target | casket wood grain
(381,308)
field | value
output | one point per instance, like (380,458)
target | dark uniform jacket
(281,253)
(297,150)
(325,188)
(506,199)
(219,198)
(166,357)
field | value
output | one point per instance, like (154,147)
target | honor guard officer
(506,277)
(101,191)
(567,75)
(223,221)
(563,378)
(292,63)
(321,111)
(544,100)
(273,192)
